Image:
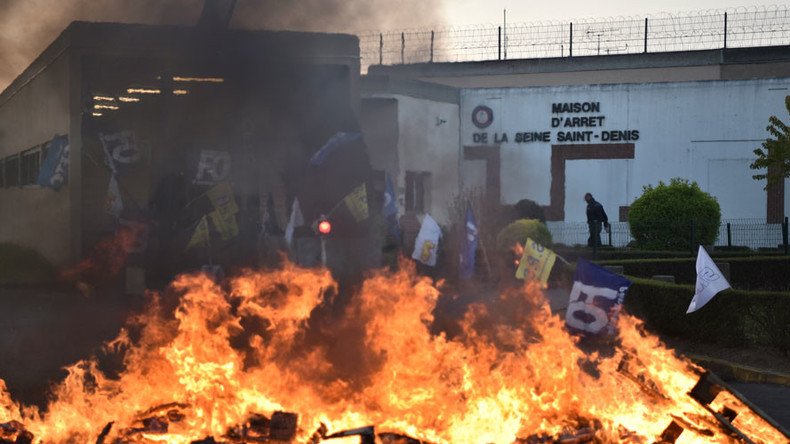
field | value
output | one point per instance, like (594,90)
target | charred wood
(14,432)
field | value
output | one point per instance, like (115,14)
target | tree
(774,156)
(664,217)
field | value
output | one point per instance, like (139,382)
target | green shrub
(528,209)
(663,217)
(519,231)
(21,265)
(746,273)
(731,318)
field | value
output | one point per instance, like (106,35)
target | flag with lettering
(120,150)
(389,210)
(595,301)
(357,202)
(468,246)
(710,281)
(427,244)
(54,171)
(536,263)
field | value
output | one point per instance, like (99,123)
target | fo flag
(469,246)
(55,169)
(339,140)
(710,281)
(389,210)
(596,298)
(427,242)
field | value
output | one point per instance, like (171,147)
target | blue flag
(468,246)
(390,209)
(341,138)
(54,171)
(596,298)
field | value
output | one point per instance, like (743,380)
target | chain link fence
(708,29)
(751,233)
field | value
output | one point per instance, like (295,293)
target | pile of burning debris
(282,427)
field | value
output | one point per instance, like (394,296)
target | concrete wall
(702,131)
(30,215)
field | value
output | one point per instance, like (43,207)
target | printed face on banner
(213,167)
(591,309)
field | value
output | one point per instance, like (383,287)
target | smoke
(28,26)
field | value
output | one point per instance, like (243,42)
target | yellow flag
(357,202)
(221,197)
(200,236)
(225,222)
(536,263)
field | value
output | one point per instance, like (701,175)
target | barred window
(30,165)
(11,165)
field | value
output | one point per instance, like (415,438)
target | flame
(518,253)
(274,340)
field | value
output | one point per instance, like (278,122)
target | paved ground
(774,400)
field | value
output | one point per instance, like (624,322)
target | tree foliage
(663,217)
(774,155)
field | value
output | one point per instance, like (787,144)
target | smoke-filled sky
(28,26)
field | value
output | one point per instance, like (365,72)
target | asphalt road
(772,399)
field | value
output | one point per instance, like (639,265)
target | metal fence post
(570,43)
(645,35)
(381,48)
(431,46)
(729,235)
(402,48)
(725,30)
(610,234)
(499,43)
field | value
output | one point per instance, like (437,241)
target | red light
(324,227)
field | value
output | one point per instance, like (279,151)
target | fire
(208,359)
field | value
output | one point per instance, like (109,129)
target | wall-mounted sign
(482,116)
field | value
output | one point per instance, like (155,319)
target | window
(11,165)
(418,190)
(30,165)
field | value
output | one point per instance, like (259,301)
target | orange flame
(270,340)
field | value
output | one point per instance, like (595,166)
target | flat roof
(179,41)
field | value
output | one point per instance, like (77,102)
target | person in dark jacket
(596,219)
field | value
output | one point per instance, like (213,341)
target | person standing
(596,219)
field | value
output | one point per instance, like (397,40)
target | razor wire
(665,32)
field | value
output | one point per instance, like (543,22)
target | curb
(741,373)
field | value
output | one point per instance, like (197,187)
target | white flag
(296,220)
(113,203)
(427,242)
(709,281)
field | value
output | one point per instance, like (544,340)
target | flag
(536,263)
(113,203)
(427,241)
(225,223)
(54,169)
(357,202)
(213,166)
(221,197)
(468,246)
(200,236)
(596,298)
(389,210)
(341,138)
(710,281)
(296,220)
(120,150)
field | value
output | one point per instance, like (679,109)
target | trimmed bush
(528,209)
(732,318)
(23,266)
(746,273)
(664,217)
(519,231)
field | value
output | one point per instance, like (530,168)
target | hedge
(770,273)
(606,253)
(732,318)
